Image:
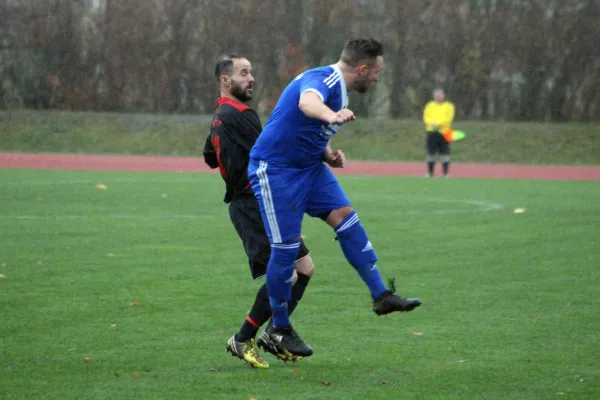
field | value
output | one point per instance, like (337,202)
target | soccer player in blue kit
(289,178)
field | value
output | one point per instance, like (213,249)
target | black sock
(297,293)
(430,165)
(446,165)
(259,314)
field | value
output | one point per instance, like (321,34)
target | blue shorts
(285,194)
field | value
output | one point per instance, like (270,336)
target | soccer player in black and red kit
(234,129)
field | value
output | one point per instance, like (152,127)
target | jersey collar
(342,84)
(236,104)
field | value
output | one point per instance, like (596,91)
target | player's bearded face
(369,75)
(241,90)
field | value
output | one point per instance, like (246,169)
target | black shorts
(248,223)
(435,143)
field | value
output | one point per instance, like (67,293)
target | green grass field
(365,139)
(147,279)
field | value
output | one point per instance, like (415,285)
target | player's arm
(335,159)
(210,155)
(313,107)
(314,92)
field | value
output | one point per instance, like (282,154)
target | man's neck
(347,75)
(231,97)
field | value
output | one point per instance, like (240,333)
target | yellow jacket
(441,114)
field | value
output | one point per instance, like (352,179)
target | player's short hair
(225,65)
(358,49)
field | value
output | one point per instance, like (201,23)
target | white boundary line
(479,206)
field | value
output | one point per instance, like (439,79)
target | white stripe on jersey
(332,84)
(330,77)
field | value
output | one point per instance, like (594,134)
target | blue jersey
(290,138)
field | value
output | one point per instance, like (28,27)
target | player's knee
(284,254)
(336,217)
(430,158)
(305,266)
(446,158)
(294,278)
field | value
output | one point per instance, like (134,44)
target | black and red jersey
(234,129)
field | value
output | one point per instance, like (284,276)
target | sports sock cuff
(348,222)
(252,322)
(302,279)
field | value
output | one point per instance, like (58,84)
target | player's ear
(224,79)
(362,69)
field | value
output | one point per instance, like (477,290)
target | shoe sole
(410,307)
(230,349)
(267,345)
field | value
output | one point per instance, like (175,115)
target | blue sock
(360,254)
(280,272)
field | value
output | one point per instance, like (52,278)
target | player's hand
(335,159)
(342,116)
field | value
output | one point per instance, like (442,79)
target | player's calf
(280,276)
(358,249)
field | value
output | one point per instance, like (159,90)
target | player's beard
(241,93)
(363,85)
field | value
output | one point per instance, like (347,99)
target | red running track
(191,164)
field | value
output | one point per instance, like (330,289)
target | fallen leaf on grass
(117,375)
(221,330)
(164,195)
(294,371)
(86,360)
(212,369)
(134,304)
(462,361)
(560,393)
(417,333)
(135,374)
(383,382)
(252,398)
(113,326)
(325,383)
(2,276)
(3,265)
(40,262)
(110,255)
(101,186)
(519,211)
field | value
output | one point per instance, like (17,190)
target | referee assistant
(437,116)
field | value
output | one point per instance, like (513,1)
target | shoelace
(252,349)
(295,337)
(392,283)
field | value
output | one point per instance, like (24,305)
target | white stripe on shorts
(265,188)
